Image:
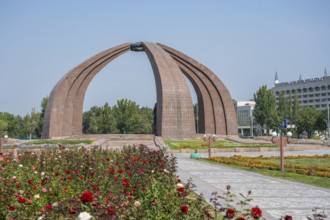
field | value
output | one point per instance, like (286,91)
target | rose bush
(103,184)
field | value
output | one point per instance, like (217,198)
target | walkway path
(274,196)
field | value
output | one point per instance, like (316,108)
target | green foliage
(62,142)
(126,117)
(265,109)
(30,123)
(42,115)
(310,119)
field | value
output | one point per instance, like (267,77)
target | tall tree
(108,123)
(42,115)
(30,123)
(127,116)
(265,109)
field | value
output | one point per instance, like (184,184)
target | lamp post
(3,141)
(281,142)
(209,139)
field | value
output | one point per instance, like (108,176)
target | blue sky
(243,41)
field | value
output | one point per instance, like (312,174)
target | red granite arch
(175,118)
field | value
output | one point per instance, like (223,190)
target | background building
(310,92)
(244,113)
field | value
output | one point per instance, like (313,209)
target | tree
(108,123)
(265,109)
(3,128)
(42,115)
(307,120)
(30,123)
(127,115)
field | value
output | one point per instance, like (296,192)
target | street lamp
(3,141)
(209,139)
(281,142)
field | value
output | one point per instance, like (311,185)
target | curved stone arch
(175,117)
(225,112)
(62,99)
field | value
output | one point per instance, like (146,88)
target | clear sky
(243,41)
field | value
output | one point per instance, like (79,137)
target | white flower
(55,204)
(36,172)
(84,216)
(14,178)
(42,173)
(21,165)
(40,218)
(179,185)
(166,171)
(37,196)
(137,203)
(21,192)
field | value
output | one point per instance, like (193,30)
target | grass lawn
(311,180)
(200,144)
(63,142)
(304,161)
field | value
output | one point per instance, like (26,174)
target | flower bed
(256,162)
(135,182)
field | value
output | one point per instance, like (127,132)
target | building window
(299,90)
(328,87)
(304,90)
(323,88)
(317,100)
(277,93)
(323,94)
(317,106)
(305,96)
(305,101)
(287,92)
(317,95)
(317,88)
(323,105)
(311,101)
(310,89)
(311,95)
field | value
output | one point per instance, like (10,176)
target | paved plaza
(274,196)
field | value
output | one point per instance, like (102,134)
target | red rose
(144,161)
(120,171)
(111,210)
(86,197)
(68,171)
(125,183)
(43,183)
(240,218)
(184,209)
(11,208)
(49,207)
(230,213)
(288,217)
(256,212)
(92,174)
(18,185)
(181,189)
(21,200)
(30,182)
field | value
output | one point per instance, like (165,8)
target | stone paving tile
(276,197)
